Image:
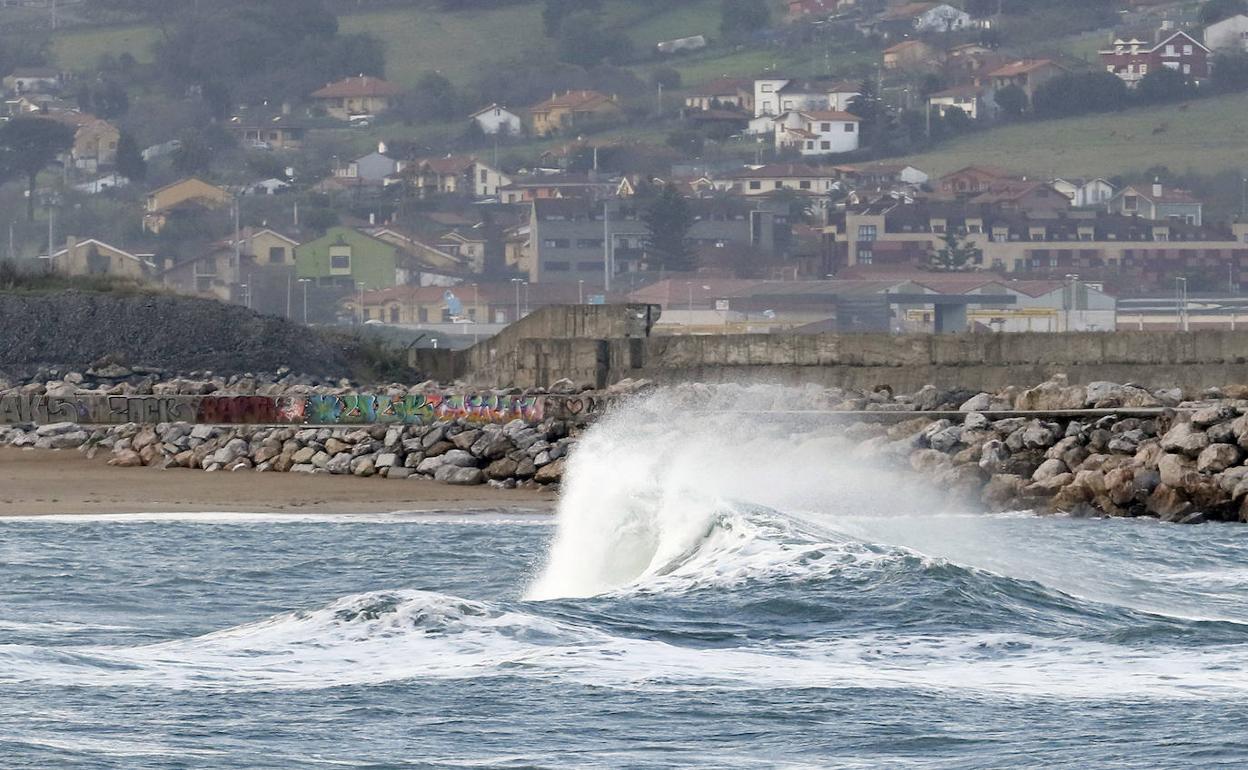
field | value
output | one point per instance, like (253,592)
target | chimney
(1156,188)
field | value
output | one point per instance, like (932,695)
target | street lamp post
(476,314)
(1180,290)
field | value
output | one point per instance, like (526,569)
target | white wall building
(817,132)
(942,18)
(496,119)
(1229,34)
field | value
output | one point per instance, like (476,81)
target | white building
(496,119)
(1229,34)
(942,18)
(778,95)
(817,132)
(1085,193)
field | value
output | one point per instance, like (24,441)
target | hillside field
(1204,135)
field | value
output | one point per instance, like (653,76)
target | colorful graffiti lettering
(317,409)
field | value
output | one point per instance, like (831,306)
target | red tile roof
(1022,67)
(573,100)
(359,86)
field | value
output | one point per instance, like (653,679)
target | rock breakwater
(1105,449)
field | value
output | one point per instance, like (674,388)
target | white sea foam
(394,636)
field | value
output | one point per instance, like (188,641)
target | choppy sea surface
(684,609)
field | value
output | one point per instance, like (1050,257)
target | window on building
(1130,203)
(826,145)
(805,184)
(850,127)
(779,185)
(866,233)
(756,185)
(394,314)
(589,243)
(558,267)
(423,315)
(1169,50)
(810,145)
(339,260)
(825,127)
(277,255)
(865,256)
(589,267)
(1143,69)
(1187,50)
(485,176)
(368,314)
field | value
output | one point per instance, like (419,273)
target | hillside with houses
(332,162)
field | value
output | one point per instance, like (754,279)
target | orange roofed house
(1027,74)
(360,95)
(559,113)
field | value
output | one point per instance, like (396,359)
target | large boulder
(1111,394)
(1186,438)
(980,403)
(457,476)
(1056,394)
(1048,469)
(1211,415)
(1174,469)
(1167,502)
(1216,458)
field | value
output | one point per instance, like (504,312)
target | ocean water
(728,590)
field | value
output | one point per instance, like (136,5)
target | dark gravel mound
(75,329)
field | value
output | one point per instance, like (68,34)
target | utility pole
(238,246)
(606,246)
(288,281)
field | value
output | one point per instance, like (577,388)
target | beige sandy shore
(34,482)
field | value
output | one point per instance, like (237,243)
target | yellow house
(269,247)
(360,95)
(92,257)
(559,113)
(191,191)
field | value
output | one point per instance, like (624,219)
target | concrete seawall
(611,343)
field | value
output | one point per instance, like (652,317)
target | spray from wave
(695,472)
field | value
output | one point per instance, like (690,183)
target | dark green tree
(955,253)
(584,42)
(1013,102)
(1163,85)
(130,162)
(27,147)
(433,98)
(1079,94)
(740,18)
(1216,10)
(871,111)
(668,219)
(1230,71)
(555,12)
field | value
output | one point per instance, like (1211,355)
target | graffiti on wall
(347,409)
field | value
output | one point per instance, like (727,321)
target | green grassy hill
(1206,135)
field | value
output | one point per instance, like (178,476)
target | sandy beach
(40,482)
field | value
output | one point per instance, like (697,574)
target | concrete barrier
(522,357)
